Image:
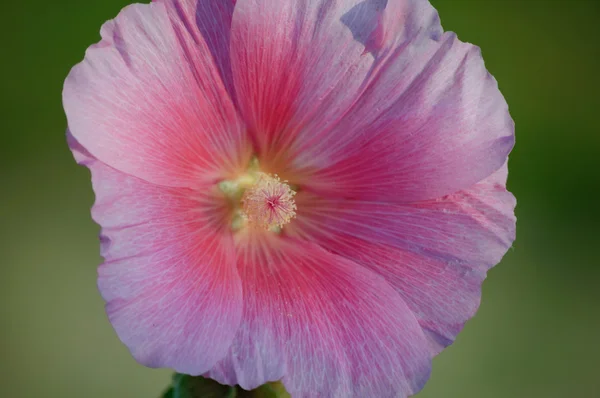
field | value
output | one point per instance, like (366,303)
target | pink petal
(435,253)
(431,123)
(172,292)
(208,21)
(148,100)
(395,21)
(299,66)
(325,325)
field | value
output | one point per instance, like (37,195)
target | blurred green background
(537,332)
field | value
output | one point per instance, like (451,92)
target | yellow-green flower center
(260,200)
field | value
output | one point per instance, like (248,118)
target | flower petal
(148,100)
(434,253)
(395,22)
(299,65)
(325,325)
(208,21)
(433,122)
(172,292)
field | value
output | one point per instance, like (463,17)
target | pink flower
(308,191)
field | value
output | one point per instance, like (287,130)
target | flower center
(269,203)
(259,199)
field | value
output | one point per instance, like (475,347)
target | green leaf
(270,390)
(185,386)
(169,393)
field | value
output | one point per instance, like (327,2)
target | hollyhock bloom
(307,191)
